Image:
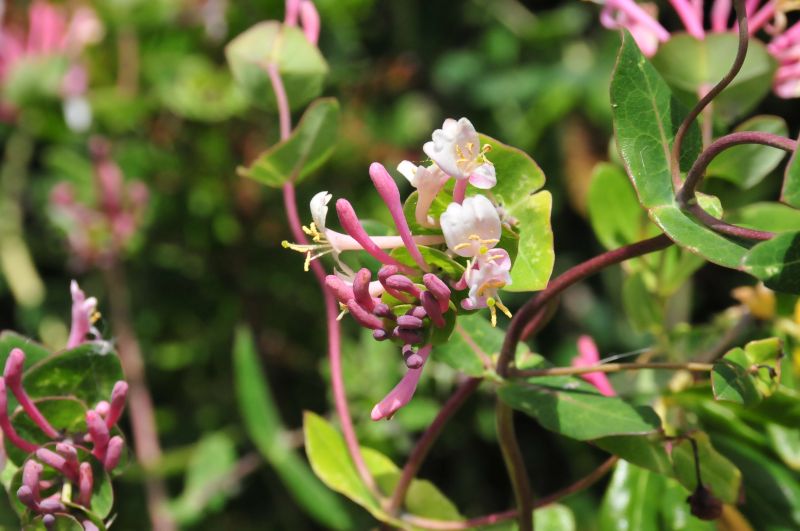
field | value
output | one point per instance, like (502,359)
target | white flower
(456,149)
(319,209)
(471,228)
(489,273)
(428,182)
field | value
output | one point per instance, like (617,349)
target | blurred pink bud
(352,226)
(46,29)
(31,472)
(309,19)
(5,424)
(51,505)
(98,430)
(403,391)
(13,379)
(85,485)
(14,366)
(26,496)
(292,12)
(102,407)
(118,395)
(113,453)
(589,356)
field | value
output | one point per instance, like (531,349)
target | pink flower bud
(432,308)
(99,432)
(118,395)
(14,366)
(88,525)
(439,290)
(309,19)
(102,407)
(361,289)
(409,322)
(31,472)
(403,391)
(56,462)
(70,455)
(113,452)
(26,496)
(5,424)
(51,505)
(340,290)
(388,191)
(362,316)
(402,283)
(13,378)
(352,226)
(85,485)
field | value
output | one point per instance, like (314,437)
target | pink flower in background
(768,16)
(589,356)
(51,33)
(98,233)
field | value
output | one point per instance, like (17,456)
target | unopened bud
(118,395)
(704,505)
(409,322)
(113,453)
(26,496)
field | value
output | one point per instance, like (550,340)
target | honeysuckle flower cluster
(67,452)
(408,300)
(51,33)
(97,234)
(769,17)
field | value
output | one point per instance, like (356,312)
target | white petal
(484,177)
(408,170)
(319,209)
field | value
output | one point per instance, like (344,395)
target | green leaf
(731,379)
(438,259)
(87,373)
(34,352)
(748,164)
(311,143)
(573,408)
(690,66)
(535,257)
(782,407)
(473,340)
(676,512)
(552,517)
(772,492)
(35,78)
(790,193)
(519,177)
(264,427)
(301,65)
(719,475)
(213,459)
(772,217)
(646,451)
(646,117)
(616,216)
(776,262)
(786,444)
(423,498)
(631,500)
(330,460)
(644,311)
(697,238)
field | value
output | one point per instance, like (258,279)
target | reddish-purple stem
(423,446)
(331,308)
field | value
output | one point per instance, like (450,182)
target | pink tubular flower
(403,391)
(589,356)
(83,312)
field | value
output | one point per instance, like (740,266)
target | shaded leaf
(731,379)
(772,217)
(573,408)
(631,499)
(690,66)
(776,262)
(301,65)
(308,147)
(748,164)
(790,193)
(264,427)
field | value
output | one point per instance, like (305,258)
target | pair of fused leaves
(64,386)
(748,375)
(646,117)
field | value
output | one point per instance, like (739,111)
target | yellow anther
(491,303)
(462,246)
(483,249)
(96,316)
